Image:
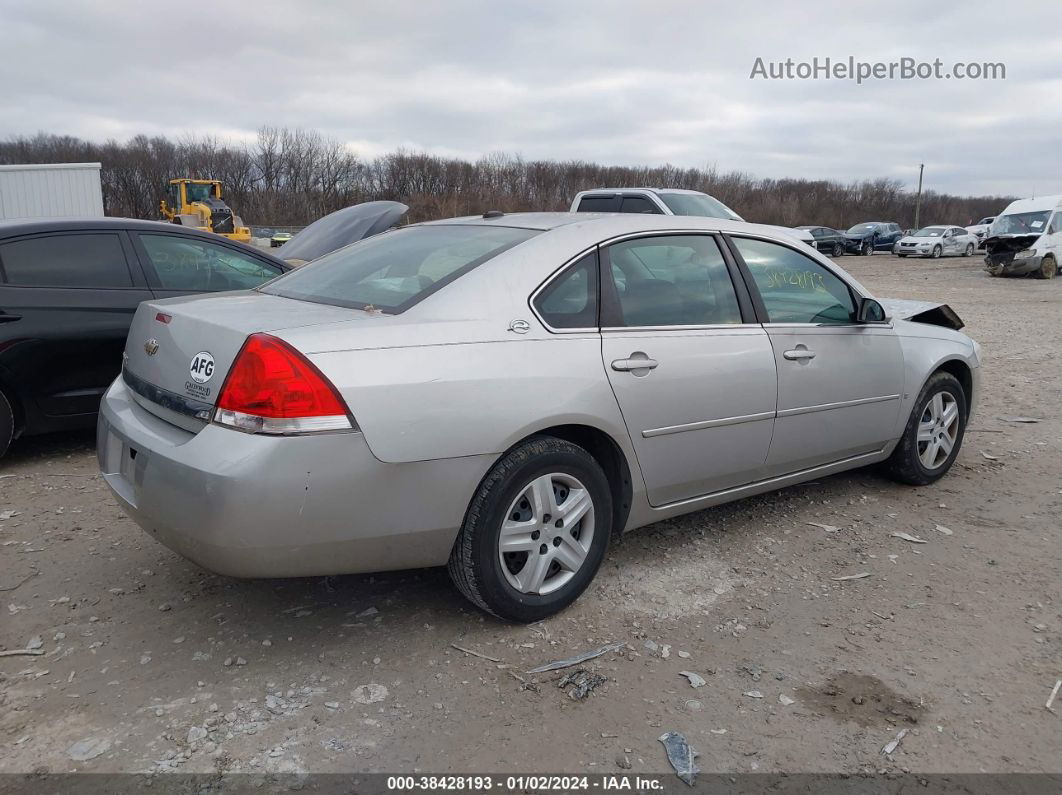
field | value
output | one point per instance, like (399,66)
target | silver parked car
(505,394)
(936,242)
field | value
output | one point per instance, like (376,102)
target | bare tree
(290,177)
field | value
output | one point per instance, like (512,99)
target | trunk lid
(342,228)
(179,350)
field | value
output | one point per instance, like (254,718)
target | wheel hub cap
(546,534)
(938,430)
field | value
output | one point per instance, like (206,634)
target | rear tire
(1048,268)
(913,462)
(529,488)
(838,249)
(7,424)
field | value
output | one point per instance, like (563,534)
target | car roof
(1038,204)
(604,225)
(29,226)
(644,190)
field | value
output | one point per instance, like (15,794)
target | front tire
(969,250)
(937,251)
(934,433)
(868,248)
(535,532)
(1048,268)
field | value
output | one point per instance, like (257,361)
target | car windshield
(699,204)
(862,229)
(1021,223)
(986,221)
(929,231)
(393,271)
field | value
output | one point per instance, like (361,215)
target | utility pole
(918,201)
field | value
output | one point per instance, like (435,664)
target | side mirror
(870,311)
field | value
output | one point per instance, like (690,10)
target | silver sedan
(936,242)
(506,394)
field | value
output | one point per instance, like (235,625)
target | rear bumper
(247,505)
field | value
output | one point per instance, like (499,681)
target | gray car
(506,394)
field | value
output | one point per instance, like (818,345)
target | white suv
(665,201)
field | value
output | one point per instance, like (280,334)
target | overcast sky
(614,82)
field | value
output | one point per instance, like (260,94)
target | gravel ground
(150,663)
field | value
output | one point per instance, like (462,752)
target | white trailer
(51,190)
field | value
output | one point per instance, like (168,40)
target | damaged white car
(1026,239)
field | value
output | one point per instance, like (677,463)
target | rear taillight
(272,388)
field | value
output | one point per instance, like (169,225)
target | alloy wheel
(938,430)
(546,534)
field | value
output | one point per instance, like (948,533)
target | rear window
(86,260)
(393,271)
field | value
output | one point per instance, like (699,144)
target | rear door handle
(626,365)
(799,355)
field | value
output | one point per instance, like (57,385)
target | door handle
(626,365)
(799,355)
(6,318)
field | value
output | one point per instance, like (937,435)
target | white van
(1026,238)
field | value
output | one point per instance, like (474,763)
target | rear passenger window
(570,300)
(795,288)
(597,204)
(673,280)
(639,204)
(86,260)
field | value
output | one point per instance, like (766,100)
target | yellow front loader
(197,203)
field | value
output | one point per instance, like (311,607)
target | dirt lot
(152,664)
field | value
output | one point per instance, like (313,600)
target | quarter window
(570,300)
(673,280)
(184,263)
(795,288)
(88,260)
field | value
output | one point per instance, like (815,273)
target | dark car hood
(342,228)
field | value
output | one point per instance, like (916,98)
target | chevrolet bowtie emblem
(151,347)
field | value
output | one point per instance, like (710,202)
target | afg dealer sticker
(202,367)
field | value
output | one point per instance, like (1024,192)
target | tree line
(290,177)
